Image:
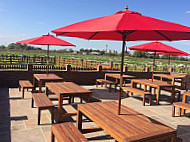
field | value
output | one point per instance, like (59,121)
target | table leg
(46,91)
(145,87)
(160,78)
(79,120)
(89,98)
(158,96)
(173,81)
(184,101)
(172,95)
(34,83)
(40,86)
(60,105)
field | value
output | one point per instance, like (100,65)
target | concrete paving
(18,121)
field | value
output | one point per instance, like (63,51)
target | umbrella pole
(169,60)
(153,65)
(121,73)
(47,59)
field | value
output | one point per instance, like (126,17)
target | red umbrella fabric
(173,54)
(125,26)
(130,23)
(46,40)
(157,47)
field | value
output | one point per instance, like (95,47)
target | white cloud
(187,12)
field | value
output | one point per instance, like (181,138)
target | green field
(104,59)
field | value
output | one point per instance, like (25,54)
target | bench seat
(66,132)
(180,105)
(139,92)
(176,92)
(42,102)
(25,84)
(103,81)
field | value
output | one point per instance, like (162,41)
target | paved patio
(18,121)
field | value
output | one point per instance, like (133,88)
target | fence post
(99,68)
(125,68)
(111,64)
(55,60)
(68,67)
(170,69)
(30,67)
(147,69)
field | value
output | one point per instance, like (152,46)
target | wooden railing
(20,60)
(77,63)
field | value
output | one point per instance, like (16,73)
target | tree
(140,54)
(2,47)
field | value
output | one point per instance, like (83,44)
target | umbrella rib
(61,34)
(126,33)
(93,35)
(162,35)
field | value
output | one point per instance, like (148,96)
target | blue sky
(22,19)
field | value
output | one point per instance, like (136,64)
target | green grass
(104,59)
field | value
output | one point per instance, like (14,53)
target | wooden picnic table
(116,76)
(159,85)
(41,78)
(172,77)
(65,89)
(129,126)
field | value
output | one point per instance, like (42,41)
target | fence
(77,63)
(22,60)
(16,62)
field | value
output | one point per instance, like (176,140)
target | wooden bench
(180,105)
(42,102)
(25,84)
(178,92)
(103,81)
(139,92)
(66,132)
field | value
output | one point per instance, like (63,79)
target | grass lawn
(104,59)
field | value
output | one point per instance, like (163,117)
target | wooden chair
(42,102)
(25,84)
(66,132)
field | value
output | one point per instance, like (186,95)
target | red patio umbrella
(46,40)
(157,47)
(125,26)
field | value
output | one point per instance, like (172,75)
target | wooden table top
(66,88)
(154,83)
(47,77)
(116,75)
(176,76)
(130,125)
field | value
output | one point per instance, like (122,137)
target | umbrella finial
(126,8)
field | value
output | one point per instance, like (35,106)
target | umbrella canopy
(130,23)
(125,26)
(157,47)
(46,40)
